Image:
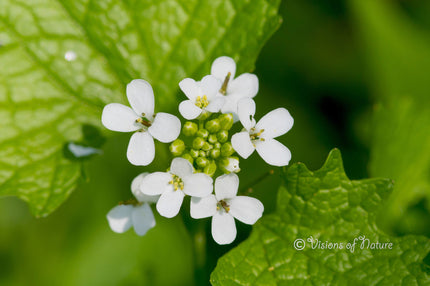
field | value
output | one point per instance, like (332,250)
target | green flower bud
(210,169)
(198,143)
(207,146)
(212,139)
(217,145)
(202,162)
(204,115)
(203,133)
(188,157)
(222,136)
(202,154)
(194,153)
(213,126)
(214,153)
(226,121)
(189,128)
(226,149)
(177,147)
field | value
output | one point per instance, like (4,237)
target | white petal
(189,110)
(210,86)
(246,209)
(203,207)
(226,186)
(143,219)
(156,183)
(198,185)
(119,218)
(222,66)
(190,88)
(273,152)
(242,144)
(135,189)
(141,97)
(165,127)
(275,123)
(215,104)
(118,117)
(170,203)
(246,112)
(246,84)
(233,165)
(223,228)
(181,167)
(141,149)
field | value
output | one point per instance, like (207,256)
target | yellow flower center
(202,101)
(254,135)
(224,205)
(177,183)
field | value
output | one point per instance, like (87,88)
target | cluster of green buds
(206,144)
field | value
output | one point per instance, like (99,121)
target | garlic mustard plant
(203,150)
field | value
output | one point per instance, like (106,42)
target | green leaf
(327,206)
(45,99)
(399,59)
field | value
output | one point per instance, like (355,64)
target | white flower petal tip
(165,128)
(119,218)
(142,219)
(273,152)
(118,117)
(222,66)
(141,97)
(137,192)
(170,203)
(141,149)
(242,144)
(275,123)
(203,207)
(223,228)
(246,209)
(246,112)
(181,167)
(189,110)
(226,186)
(198,185)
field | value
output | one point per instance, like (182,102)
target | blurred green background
(353,75)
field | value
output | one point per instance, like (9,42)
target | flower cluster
(203,149)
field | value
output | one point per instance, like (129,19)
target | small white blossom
(260,135)
(202,97)
(224,207)
(234,89)
(141,118)
(139,215)
(174,185)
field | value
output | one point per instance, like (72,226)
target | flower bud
(214,153)
(202,162)
(194,153)
(210,169)
(226,121)
(177,147)
(202,154)
(229,165)
(189,128)
(226,149)
(198,143)
(207,146)
(217,145)
(212,139)
(188,157)
(222,136)
(203,133)
(204,115)
(213,126)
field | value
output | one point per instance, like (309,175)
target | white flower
(224,207)
(234,89)
(260,135)
(202,97)
(233,165)
(174,185)
(139,215)
(163,126)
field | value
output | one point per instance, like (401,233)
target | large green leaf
(45,98)
(399,58)
(327,206)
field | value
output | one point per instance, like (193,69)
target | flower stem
(248,188)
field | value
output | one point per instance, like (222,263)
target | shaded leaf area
(64,60)
(398,54)
(327,206)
